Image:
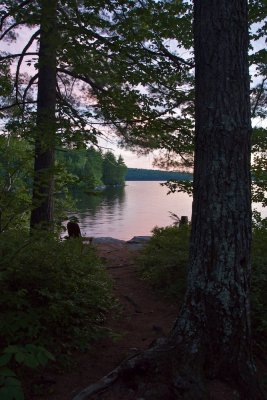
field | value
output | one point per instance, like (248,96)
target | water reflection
(133,210)
(109,197)
(97,211)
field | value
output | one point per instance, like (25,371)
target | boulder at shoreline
(134,242)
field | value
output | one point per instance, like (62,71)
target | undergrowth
(54,298)
(259,283)
(164,260)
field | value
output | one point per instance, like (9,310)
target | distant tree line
(90,168)
(136,174)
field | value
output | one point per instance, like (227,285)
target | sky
(132,160)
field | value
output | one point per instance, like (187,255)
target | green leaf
(11,349)
(49,355)
(4,359)
(20,357)
(6,372)
(11,393)
(14,382)
(31,348)
(42,359)
(31,361)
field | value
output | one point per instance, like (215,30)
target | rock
(107,240)
(136,241)
(139,239)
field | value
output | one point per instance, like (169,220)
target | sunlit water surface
(131,211)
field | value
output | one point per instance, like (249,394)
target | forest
(92,169)
(83,170)
(140,174)
(186,79)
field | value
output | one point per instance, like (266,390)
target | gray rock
(108,240)
(139,239)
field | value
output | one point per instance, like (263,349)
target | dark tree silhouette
(43,184)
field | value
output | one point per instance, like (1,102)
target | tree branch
(9,56)
(177,60)
(31,81)
(34,36)
(12,10)
(105,40)
(261,90)
(74,112)
(85,79)
(10,28)
(17,103)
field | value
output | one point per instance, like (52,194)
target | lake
(133,210)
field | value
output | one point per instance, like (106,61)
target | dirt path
(143,318)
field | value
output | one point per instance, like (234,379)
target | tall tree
(216,308)
(114,170)
(121,170)
(211,338)
(43,181)
(104,51)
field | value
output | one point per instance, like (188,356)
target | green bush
(259,282)
(164,264)
(30,356)
(54,298)
(52,293)
(164,260)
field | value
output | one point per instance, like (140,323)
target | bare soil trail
(143,317)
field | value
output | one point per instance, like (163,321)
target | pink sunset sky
(131,159)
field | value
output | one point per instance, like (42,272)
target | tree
(220,268)
(94,168)
(121,170)
(211,338)
(15,181)
(44,156)
(100,52)
(110,169)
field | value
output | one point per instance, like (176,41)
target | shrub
(54,296)
(52,292)
(164,264)
(164,260)
(259,282)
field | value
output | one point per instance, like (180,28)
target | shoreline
(135,241)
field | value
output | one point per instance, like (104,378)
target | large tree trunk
(211,339)
(217,310)
(43,184)
(216,313)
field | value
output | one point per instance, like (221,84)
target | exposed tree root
(163,373)
(147,375)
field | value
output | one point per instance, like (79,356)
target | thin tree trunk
(43,184)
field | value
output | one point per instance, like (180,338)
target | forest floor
(141,318)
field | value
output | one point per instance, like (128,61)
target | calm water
(130,211)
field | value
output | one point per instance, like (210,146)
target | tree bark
(216,313)
(43,182)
